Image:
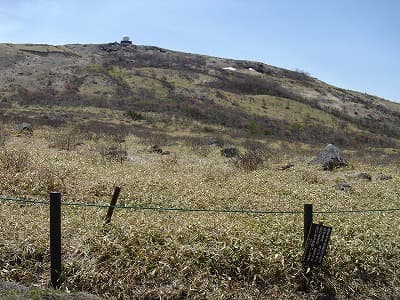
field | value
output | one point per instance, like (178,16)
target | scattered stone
(363,176)
(230,151)
(156,149)
(110,47)
(211,141)
(115,152)
(24,128)
(360,176)
(286,167)
(343,186)
(385,177)
(330,158)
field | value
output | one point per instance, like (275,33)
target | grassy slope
(275,101)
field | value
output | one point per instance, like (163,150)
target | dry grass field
(96,112)
(145,254)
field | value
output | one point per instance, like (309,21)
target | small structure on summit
(126,41)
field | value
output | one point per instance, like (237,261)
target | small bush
(112,151)
(51,180)
(311,177)
(169,161)
(250,161)
(15,160)
(155,139)
(65,140)
(208,129)
(134,115)
(2,137)
(201,150)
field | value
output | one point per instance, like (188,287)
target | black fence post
(55,239)
(308,219)
(112,205)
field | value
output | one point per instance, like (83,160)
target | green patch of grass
(94,68)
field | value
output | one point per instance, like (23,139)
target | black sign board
(316,244)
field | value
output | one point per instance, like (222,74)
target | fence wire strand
(205,210)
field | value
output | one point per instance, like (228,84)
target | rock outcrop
(23,127)
(330,158)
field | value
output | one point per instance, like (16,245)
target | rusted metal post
(308,219)
(55,240)
(112,205)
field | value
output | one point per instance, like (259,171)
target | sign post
(316,244)
(55,240)
(308,219)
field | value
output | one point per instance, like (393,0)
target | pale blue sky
(353,44)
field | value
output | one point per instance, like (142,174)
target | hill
(173,88)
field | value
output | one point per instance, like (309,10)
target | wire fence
(200,210)
(315,240)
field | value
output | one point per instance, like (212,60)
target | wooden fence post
(112,205)
(308,219)
(55,239)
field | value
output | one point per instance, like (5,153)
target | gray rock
(156,149)
(343,186)
(23,127)
(363,176)
(286,167)
(230,151)
(211,141)
(330,158)
(385,177)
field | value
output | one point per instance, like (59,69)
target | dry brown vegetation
(179,255)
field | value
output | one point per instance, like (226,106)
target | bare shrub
(169,161)
(94,130)
(16,160)
(3,136)
(199,146)
(201,150)
(154,139)
(311,177)
(65,140)
(112,150)
(250,161)
(51,180)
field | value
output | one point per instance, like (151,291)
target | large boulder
(23,127)
(330,158)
